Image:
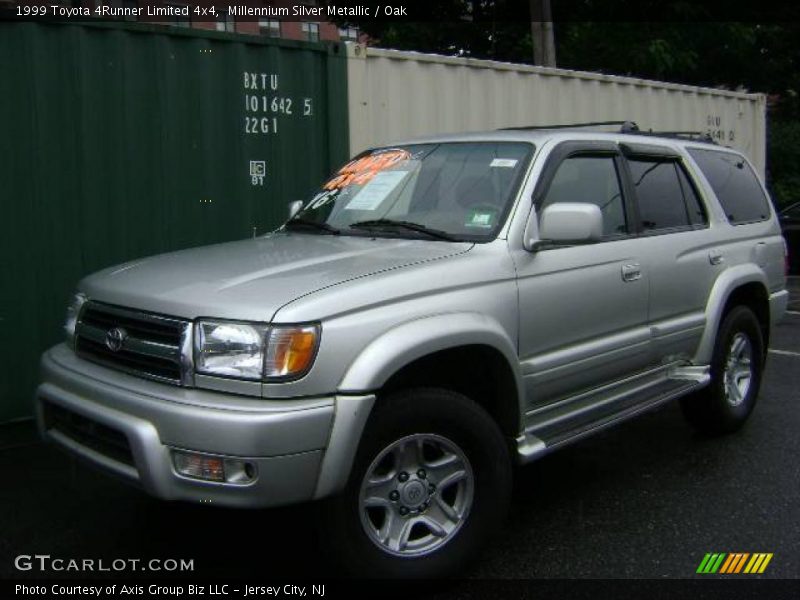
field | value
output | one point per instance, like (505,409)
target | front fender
(405,343)
(726,283)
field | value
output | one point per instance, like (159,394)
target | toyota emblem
(115,338)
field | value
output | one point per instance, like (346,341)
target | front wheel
(431,480)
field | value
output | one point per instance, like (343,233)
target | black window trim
(574,148)
(678,161)
(622,154)
(701,199)
(647,151)
(743,158)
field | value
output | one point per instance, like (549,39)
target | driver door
(583,308)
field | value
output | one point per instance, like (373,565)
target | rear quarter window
(735,185)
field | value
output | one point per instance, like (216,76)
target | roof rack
(683,135)
(625,127)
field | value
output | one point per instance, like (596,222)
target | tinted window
(697,215)
(594,180)
(659,194)
(735,185)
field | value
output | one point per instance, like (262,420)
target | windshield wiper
(418,227)
(300,222)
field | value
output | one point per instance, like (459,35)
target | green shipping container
(122,141)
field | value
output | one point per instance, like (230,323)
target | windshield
(447,191)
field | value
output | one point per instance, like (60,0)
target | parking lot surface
(645,500)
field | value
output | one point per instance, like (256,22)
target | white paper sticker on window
(376,191)
(504,162)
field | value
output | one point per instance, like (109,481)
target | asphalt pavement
(647,499)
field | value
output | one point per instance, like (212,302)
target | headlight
(253,351)
(229,349)
(291,350)
(73,312)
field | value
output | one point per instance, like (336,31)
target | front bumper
(299,449)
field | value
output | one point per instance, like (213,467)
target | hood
(251,279)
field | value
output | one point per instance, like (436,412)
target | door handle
(715,257)
(631,272)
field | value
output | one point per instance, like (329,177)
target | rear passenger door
(672,223)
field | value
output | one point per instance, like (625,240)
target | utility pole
(544,45)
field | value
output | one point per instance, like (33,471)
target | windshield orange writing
(361,170)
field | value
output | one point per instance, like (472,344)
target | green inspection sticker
(480,218)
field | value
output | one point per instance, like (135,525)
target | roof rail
(682,135)
(625,127)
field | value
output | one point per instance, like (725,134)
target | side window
(591,179)
(734,184)
(659,194)
(697,215)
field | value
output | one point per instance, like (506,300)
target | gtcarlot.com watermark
(53,564)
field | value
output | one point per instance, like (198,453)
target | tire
(724,406)
(451,439)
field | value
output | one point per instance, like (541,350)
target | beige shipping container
(394,95)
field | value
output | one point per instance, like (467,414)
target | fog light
(214,468)
(199,466)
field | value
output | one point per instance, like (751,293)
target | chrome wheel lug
(399,508)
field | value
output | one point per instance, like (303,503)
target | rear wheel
(736,370)
(431,480)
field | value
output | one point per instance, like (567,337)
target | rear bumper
(778,302)
(287,443)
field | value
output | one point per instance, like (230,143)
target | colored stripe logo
(734,562)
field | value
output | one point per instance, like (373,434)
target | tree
(494,29)
(670,40)
(544,48)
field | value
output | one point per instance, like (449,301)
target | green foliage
(494,29)
(638,49)
(669,40)
(783,151)
(681,44)
(753,56)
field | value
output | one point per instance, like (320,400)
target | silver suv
(440,310)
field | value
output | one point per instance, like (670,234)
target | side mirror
(571,223)
(295,207)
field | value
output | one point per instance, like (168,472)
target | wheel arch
(743,285)
(466,352)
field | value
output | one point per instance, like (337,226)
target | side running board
(549,434)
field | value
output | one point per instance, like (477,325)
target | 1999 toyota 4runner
(440,310)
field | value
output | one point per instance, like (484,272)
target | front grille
(148,345)
(89,433)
